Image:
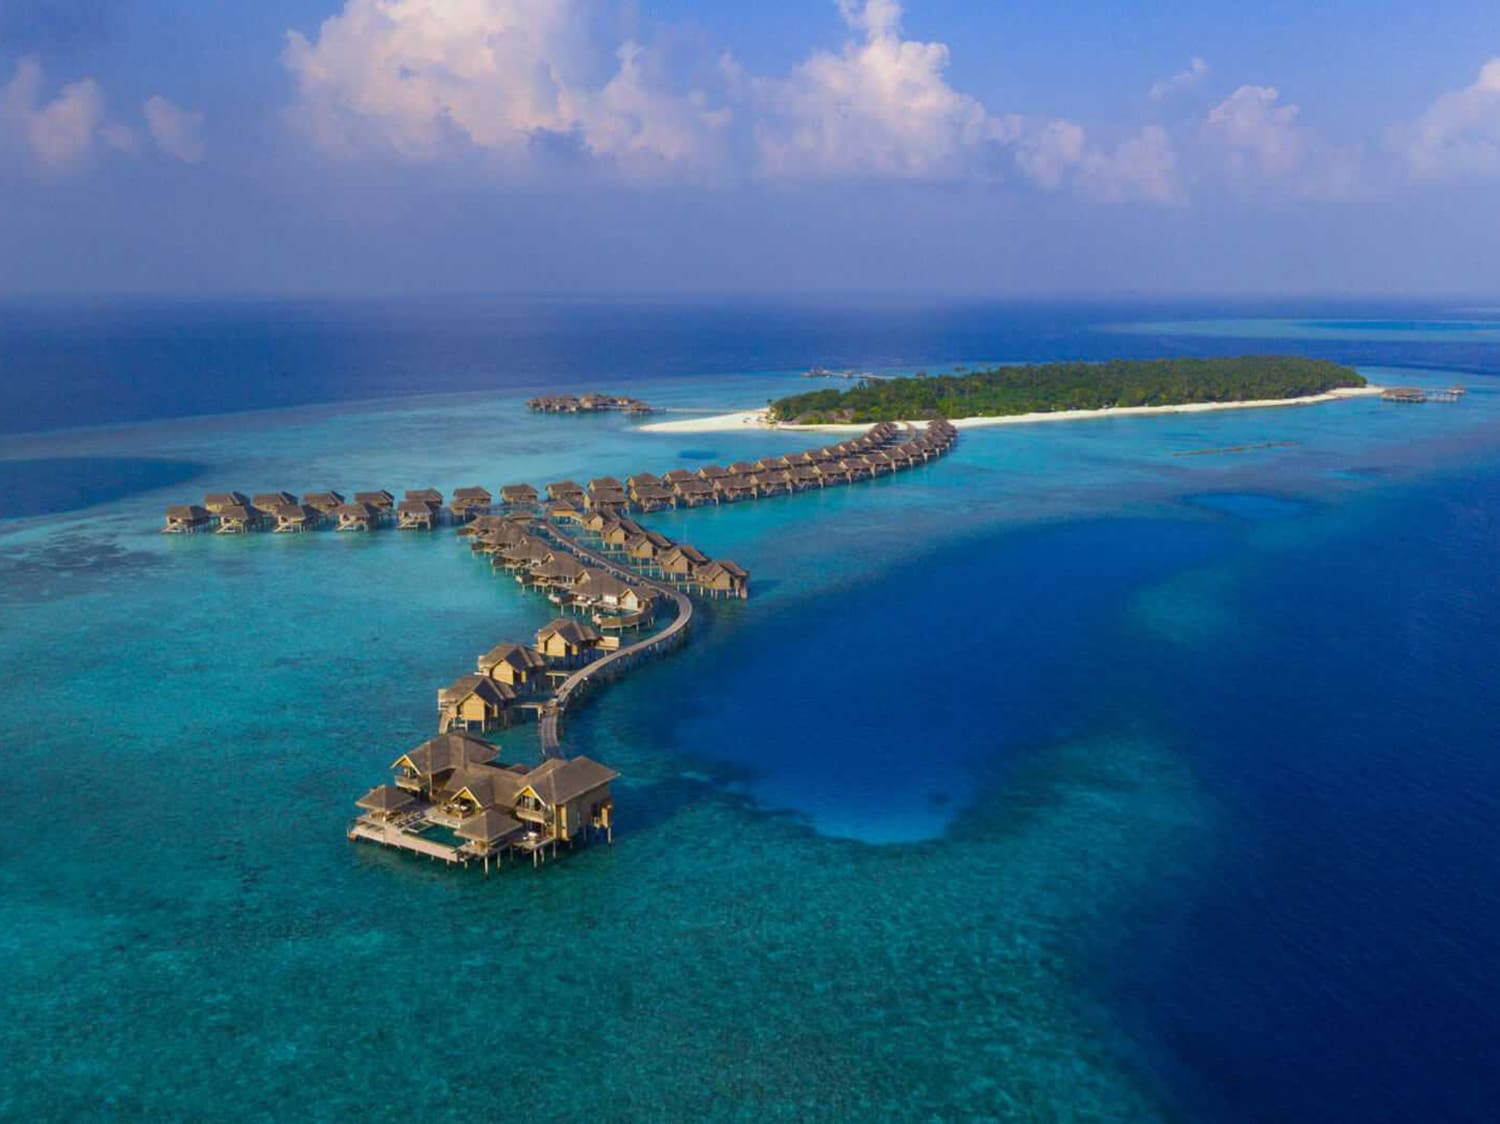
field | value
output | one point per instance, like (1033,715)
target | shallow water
(1067,778)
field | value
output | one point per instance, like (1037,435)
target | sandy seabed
(741,420)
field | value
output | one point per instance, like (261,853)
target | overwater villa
(568,642)
(491,540)
(525,554)
(235,519)
(566,491)
(653,497)
(561,571)
(644,548)
(215,502)
(381,500)
(606,499)
(294,518)
(518,495)
(454,785)
(680,562)
(324,503)
(267,503)
(186,519)
(357,516)
(603,589)
(695,492)
(617,533)
(469,502)
(518,666)
(474,702)
(721,578)
(415,515)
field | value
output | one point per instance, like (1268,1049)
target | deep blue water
(1339,963)
(1065,778)
(48,485)
(67,364)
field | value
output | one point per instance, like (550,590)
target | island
(1120,384)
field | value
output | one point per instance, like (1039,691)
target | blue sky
(311,146)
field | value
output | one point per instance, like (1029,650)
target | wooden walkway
(395,837)
(618,661)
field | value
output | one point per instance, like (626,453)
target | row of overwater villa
(451,798)
(586,404)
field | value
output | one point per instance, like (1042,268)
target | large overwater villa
(451,799)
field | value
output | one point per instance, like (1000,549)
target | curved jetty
(606,573)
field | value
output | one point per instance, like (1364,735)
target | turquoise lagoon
(906,836)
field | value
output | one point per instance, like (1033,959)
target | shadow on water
(52,485)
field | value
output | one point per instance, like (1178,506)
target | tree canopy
(1048,387)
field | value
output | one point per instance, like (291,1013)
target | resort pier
(450,799)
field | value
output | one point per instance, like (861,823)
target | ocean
(1066,778)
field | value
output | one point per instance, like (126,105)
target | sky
(644,147)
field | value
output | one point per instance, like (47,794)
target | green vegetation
(1069,386)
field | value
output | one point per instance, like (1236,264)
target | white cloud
(413,76)
(1048,151)
(1459,135)
(1258,134)
(518,79)
(119,137)
(880,106)
(1141,167)
(1196,70)
(176,131)
(59,132)
(1261,140)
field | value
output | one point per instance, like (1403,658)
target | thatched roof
(569,631)
(384,798)
(488,826)
(447,751)
(489,690)
(489,786)
(557,781)
(518,656)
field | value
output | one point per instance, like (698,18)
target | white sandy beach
(759,419)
